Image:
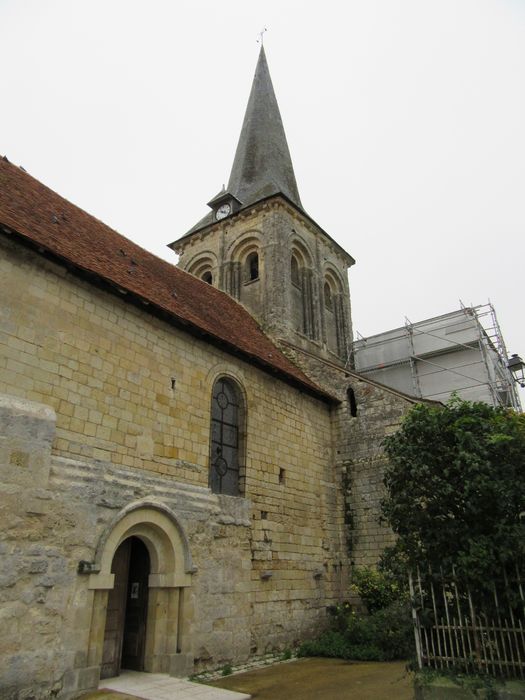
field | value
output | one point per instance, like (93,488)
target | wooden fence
(475,633)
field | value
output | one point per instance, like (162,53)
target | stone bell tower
(260,246)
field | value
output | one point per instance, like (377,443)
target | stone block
(88,678)
(70,681)
(181,665)
(27,430)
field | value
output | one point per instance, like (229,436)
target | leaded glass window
(226,423)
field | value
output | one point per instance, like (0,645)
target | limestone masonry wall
(362,459)
(106,407)
(359,455)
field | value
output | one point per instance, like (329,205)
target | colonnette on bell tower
(260,246)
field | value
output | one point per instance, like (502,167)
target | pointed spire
(262,164)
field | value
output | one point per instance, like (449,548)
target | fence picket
(436,619)
(469,632)
(415,621)
(445,605)
(522,658)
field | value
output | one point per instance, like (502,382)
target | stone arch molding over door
(170,603)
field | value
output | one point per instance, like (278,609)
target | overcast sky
(405,120)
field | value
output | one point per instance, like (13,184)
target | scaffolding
(491,340)
(463,351)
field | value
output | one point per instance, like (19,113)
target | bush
(456,488)
(389,630)
(331,644)
(377,589)
(383,635)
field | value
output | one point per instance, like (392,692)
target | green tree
(456,487)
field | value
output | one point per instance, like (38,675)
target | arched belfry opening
(142,601)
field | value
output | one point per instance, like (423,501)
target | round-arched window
(294,271)
(227,416)
(252,267)
(328,301)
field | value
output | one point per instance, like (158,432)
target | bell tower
(259,245)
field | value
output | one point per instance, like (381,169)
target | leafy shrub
(381,636)
(394,632)
(389,630)
(473,684)
(456,488)
(394,565)
(365,652)
(377,589)
(331,644)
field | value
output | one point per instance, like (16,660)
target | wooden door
(136,607)
(116,613)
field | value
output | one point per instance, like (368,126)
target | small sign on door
(134,590)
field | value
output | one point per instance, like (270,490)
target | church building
(190,466)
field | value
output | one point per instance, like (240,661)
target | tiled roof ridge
(79,209)
(51,222)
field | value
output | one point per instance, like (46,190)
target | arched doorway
(126,617)
(146,545)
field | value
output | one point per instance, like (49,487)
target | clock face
(223,211)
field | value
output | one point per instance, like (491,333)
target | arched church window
(203,268)
(352,403)
(227,417)
(328,301)
(294,271)
(252,267)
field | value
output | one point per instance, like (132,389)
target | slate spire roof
(262,164)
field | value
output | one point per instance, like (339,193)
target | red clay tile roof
(50,222)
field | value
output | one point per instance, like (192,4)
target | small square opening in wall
(264,515)
(282,476)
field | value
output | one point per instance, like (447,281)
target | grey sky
(405,120)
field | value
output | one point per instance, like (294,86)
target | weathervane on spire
(260,40)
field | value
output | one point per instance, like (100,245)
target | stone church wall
(104,406)
(360,459)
